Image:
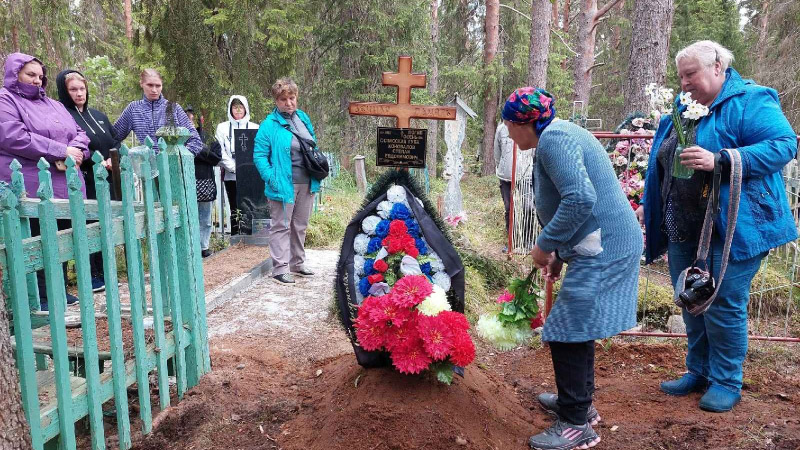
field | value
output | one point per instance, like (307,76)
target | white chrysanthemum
(369,223)
(358,265)
(360,244)
(434,303)
(436,263)
(397,194)
(442,280)
(621,161)
(686,98)
(503,337)
(384,208)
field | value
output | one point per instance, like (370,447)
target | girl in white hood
(238,118)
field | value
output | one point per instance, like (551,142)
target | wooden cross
(403,110)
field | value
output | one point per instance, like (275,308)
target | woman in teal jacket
(287,184)
(747,117)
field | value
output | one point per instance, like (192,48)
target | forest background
(601,53)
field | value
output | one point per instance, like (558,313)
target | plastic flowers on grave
(517,317)
(414,323)
(630,157)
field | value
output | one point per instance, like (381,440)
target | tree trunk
(584,62)
(540,44)
(554,19)
(433,89)
(490,97)
(648,57)
(14,431)
(128,20)
(565,17)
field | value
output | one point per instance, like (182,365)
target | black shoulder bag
(314,161)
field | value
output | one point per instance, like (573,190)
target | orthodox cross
(243,140)
(403,110)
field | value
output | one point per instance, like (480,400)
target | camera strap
(712,212)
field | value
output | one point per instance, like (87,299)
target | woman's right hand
(76,154)
(640,214)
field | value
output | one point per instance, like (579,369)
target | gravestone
(454,132)
(252,204)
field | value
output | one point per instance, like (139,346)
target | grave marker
(250,197)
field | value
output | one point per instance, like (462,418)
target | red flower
(411,290)
(436,336)
(397,228)
(370,335)
(380,265)
(463,352)
(455,320)
(411,357)
(375,278)
(634,205)
(537,321)
(398,336)
(387,311)
(412,251)
(393,244)
(505,297)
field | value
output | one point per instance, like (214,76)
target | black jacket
(208,157)
(94,123)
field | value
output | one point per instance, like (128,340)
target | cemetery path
(284,378)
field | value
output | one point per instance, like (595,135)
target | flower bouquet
(518,317)
(692,112)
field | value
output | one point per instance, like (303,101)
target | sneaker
(71,299)
(685,385)
(98,285)
(284,278)
(549,402)
(303,272)
(565,436)
(43,306)
(205,253)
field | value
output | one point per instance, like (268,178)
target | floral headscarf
(530,105)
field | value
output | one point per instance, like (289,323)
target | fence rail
(62,384)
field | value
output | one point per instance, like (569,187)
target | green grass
(337,206)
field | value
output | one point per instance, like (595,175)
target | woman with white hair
(742,116)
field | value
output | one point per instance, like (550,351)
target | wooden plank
(57,305)
(108,231)
(29,207)
(33,248)
(184,252)
(86,297)
(20,310)
(135,284)
(155,281)
(170,266)
(72,352)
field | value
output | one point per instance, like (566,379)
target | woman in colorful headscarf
(589,224)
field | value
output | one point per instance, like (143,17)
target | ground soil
(284,377)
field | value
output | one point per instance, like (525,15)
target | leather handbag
(315,162)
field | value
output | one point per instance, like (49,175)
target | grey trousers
(287,233)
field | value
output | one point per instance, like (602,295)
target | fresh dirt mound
(354,408)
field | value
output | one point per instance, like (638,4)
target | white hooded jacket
(225,133)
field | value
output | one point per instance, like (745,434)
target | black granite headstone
(401,147)
(249,184)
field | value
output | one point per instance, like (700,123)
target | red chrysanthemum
(393,244)
(375,278)
(463,349)
(411,290)
(397,228)
(371,335)
(455,320)
(399,334)
(387,311)
(411,247)
(380,265)
(436,335)
(411,357)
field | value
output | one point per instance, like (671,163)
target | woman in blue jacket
(747,117)
(287,184)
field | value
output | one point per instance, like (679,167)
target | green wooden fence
(61,384)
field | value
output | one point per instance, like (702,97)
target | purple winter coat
(34,126)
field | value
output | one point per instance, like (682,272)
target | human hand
(640,214)
(552,272)
(76,154)
(697,158)
(541,258)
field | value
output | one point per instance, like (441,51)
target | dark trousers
(573,363)
(505,192)
(62,224)
(230,188)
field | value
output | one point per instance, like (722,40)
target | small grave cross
(403,110)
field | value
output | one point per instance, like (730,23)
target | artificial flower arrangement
(401,294)
(630,156)
(692,112)
(519,315)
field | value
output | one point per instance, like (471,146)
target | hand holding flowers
(683,167)
(519,315)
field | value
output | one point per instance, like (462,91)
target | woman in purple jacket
(33,126)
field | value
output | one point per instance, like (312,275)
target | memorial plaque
(402,147)
(250,197)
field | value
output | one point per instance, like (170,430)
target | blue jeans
(718,337)
(204,216)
